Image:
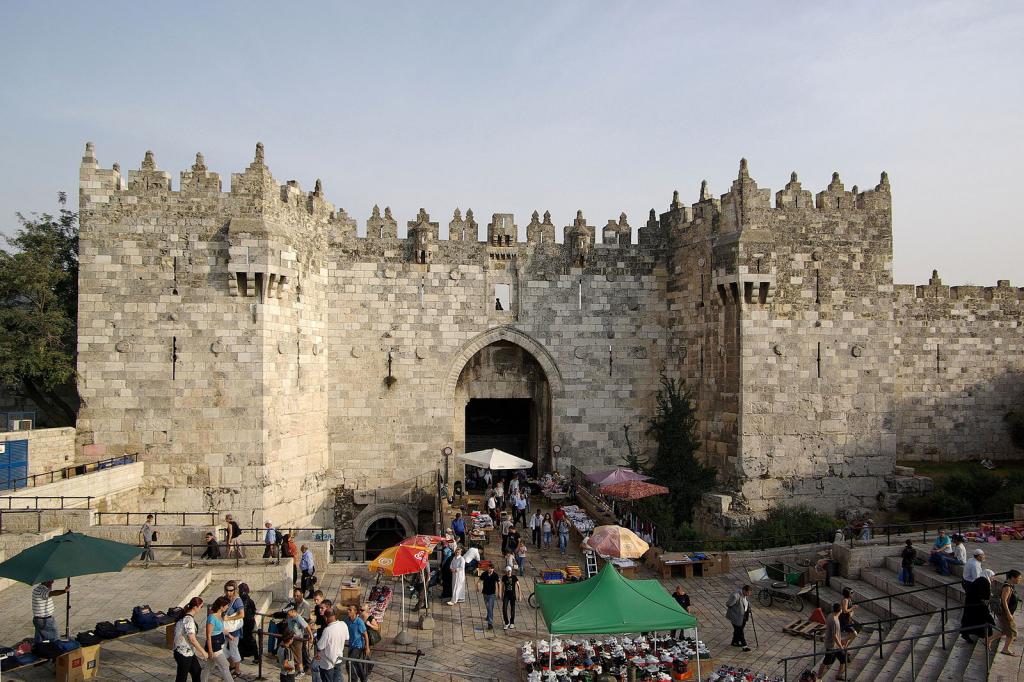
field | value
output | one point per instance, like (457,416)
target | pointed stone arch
(511,335)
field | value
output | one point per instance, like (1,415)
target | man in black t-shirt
(489,588)
(509,595)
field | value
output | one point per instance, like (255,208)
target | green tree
(39,309)
(676,466)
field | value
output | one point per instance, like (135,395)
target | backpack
(48,648)
(106,630)
(7,661)
(125,627)
(144,618)
(155,536)
(88,638)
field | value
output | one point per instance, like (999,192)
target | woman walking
(187,649)
(215,642)
(521,557)
(546,530)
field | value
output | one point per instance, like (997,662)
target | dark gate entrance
(508,424)
(381,534)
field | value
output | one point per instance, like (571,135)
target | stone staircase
(921,659)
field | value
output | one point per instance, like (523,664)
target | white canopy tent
(494,459)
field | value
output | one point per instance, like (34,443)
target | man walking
(146,539)
(972,569)
(489,588)
(737,611)
(270,541)
(835,649)
(563,534)
(907,557)
(42,610)
(536,523)
(308,568)
(509,596)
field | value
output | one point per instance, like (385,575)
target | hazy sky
(511,107)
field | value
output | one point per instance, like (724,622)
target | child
(907,557)
(286,657)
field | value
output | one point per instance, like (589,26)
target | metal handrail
(913,638)
(929,588)
(11,499)
(38,512)
(174,515)
(70,471)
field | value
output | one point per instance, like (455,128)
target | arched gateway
(501,386)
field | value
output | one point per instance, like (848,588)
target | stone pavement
(459,641)
(108,596)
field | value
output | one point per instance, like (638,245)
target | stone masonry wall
(258,354)
(48,449)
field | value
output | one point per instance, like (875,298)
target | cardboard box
(80,664)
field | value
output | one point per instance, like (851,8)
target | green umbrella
(65,556)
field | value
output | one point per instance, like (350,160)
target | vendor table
(350,593)
(671,564)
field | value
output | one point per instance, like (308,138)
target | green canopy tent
(65,556)
(611,604)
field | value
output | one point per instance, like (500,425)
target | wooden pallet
(805,628)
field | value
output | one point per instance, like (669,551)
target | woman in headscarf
(446,572)
(458,570)
(977,619)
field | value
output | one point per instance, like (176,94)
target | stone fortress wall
(257,352)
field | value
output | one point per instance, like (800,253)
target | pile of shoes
(728,673)
(654,658)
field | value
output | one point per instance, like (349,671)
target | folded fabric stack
(579,519)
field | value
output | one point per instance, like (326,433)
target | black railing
(68,472)
(929,588)
(52,502)
(171,518)
(38,512)
(194,551)
(980,629)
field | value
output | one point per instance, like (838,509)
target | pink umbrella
(616,475)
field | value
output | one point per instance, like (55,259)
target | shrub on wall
(790,525)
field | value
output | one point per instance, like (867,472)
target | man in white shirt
(472,557)
(331,647)
(972,569)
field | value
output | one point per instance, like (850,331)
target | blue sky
(601,106)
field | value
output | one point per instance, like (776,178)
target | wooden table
(351,595)
(670,564)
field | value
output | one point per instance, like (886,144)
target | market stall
(611,604)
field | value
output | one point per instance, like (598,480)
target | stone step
(960,654)
(866,662)
(885,580)
(896,655)
(977,667)
(911,668)
(872,610)
(925,576)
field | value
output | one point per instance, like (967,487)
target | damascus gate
(265,352)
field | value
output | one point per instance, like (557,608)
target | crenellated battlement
(935,290)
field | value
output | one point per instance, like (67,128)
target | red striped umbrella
(633,490)
(400,560)
(428,541)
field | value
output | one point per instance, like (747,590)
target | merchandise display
(655,657)
(579,519)
(728,673)
(380,599)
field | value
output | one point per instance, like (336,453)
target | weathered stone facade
(258,353)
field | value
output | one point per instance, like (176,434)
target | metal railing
(188,554)
(61,502)
(980,629)
(159,518)
(69,472)
(927,588)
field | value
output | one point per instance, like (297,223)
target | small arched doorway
(383,533)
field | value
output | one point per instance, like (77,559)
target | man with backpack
(146,537)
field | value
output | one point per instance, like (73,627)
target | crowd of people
(309,638)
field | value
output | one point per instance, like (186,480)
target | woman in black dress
(446,574)
(977,619)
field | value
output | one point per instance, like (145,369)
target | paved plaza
(459,641)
